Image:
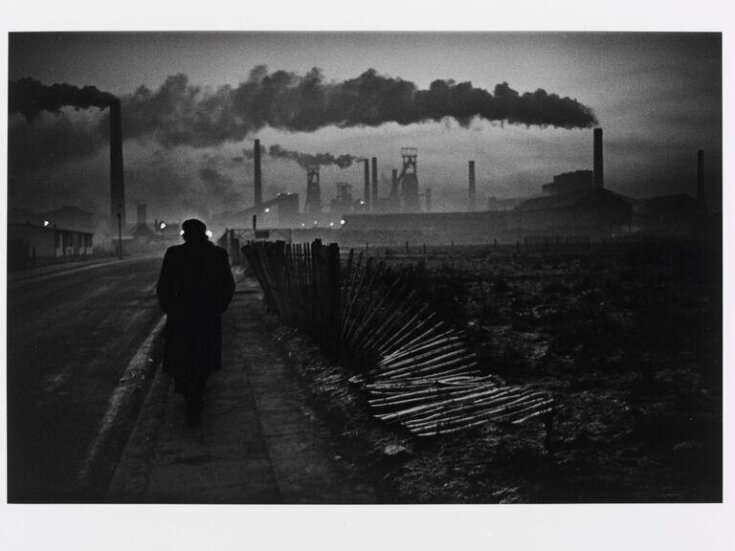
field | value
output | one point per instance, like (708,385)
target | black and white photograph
(365,269)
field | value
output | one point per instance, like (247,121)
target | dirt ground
(627,338)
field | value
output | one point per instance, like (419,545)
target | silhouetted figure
(194,289)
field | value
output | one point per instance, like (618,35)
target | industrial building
(31,245)
(570,181)
(575,204)
(593,212)
(676,214)
(436,227)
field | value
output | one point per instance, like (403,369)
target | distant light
(209,233)
(303,225)
(331,224)
(342,221)
(46,223)
(162,226)
(316,222)
(267,209)
(362,202)
(181,232)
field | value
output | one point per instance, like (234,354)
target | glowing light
(46,223)
(209,233)
(342,221)
(316,222)
(162,226)
(181,232)
(362,202)
(331,224)
(303,225)
(267,209)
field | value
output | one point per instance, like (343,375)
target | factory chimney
(472,186)
(117,182)
(367,185)
(375,184)
(597,166)
(258,176)
(700,177)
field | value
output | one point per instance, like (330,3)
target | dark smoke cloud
(306,160)
(29,97)
(179,113)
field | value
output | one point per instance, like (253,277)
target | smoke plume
(179,113)
(306,160)
(29,97)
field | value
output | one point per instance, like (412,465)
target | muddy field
(627,338)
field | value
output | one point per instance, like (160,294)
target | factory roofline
(565,200)
(388,215)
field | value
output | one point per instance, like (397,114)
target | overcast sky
(657,97)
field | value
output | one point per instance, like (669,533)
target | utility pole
(119,234)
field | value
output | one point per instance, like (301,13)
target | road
(71,335)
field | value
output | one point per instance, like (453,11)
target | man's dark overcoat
(194,289)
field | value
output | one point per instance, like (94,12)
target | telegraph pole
(119,234)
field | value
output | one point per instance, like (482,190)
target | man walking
(194,289)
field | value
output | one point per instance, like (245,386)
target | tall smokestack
(597,167)
(117,182)
(367,185)
(258,176)
(700,177)
(472,186)
(375,183)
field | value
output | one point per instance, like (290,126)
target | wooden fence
(418,372)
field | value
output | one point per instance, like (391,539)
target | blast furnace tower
(409,180)
(313,193)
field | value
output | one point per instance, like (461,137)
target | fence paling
(403,322)
(448,426)
(458,411)
(359,336)
(429,344)
(408,334)
(418,357)
(355,293)
(406,324)
(363,303)
(392,319)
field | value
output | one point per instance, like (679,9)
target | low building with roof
(596,212)
(676,214)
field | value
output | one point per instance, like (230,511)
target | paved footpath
(259,442)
